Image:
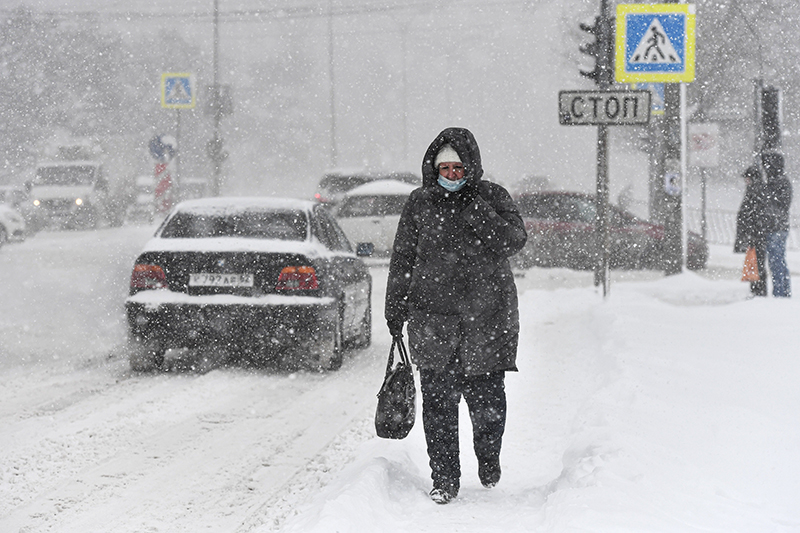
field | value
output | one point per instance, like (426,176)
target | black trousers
(486,399)
(759,288)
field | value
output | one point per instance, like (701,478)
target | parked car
(12,195)
(333,185)
(561,233)
(371,212)
(12,225)
(270,279)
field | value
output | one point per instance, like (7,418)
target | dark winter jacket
(449,275)
(751,225)
(778,194)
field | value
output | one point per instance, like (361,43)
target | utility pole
(215,147)
(334,157)
(602,50)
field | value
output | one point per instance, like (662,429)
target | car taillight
(297,278)
(148,277)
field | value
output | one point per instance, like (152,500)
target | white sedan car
(371,212)
(12,225)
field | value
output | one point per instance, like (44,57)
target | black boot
(489,472)
(443,493)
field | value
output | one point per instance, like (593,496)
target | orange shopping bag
(750,270)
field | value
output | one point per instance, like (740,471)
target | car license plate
(204,279)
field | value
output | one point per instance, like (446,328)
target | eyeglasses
(456,168)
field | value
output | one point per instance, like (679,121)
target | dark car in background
(268,279)
(333,185)
(561,233)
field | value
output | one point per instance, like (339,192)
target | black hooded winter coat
(751,223)
(449,275)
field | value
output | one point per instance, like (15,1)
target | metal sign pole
(605,79)
(601,271)
(176,182)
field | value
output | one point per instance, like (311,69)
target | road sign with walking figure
(655,43)
(177,90)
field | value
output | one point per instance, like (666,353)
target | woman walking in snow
(450,279)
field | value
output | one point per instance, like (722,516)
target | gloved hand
(395,328)
(466,195)
(469,192)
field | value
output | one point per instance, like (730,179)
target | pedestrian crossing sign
(655,43)
(177,90)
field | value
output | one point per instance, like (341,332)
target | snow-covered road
(88,445)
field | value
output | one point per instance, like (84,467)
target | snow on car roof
(386,187)
(244,203)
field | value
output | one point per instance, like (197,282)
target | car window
(66,175)
(560,207)
(536,207)
(357,206)
(286,225)
(328,232)
(340,184)
(583,210)
(393,205)
(371,206)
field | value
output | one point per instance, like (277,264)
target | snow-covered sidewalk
(671,406)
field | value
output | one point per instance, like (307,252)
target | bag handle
(401,350)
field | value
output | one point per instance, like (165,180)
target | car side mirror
(364,249)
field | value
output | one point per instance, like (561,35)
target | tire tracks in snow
(176,453)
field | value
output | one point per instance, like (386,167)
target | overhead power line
(274,13)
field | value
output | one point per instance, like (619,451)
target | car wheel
(332,350)
(364,338)
(145,355)
(696,262)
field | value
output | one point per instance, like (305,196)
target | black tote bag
(396,410)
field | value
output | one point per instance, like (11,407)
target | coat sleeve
(495,218)
(401,265)
(744,225)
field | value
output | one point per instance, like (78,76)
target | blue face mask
(452,186)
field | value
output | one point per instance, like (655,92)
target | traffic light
(592,49)
(771,115)
(601,49)
(215,151)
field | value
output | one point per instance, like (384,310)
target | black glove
(470,191)
(464,197)
(395,328)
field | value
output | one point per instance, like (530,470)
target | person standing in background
(778,200)
(751,229)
